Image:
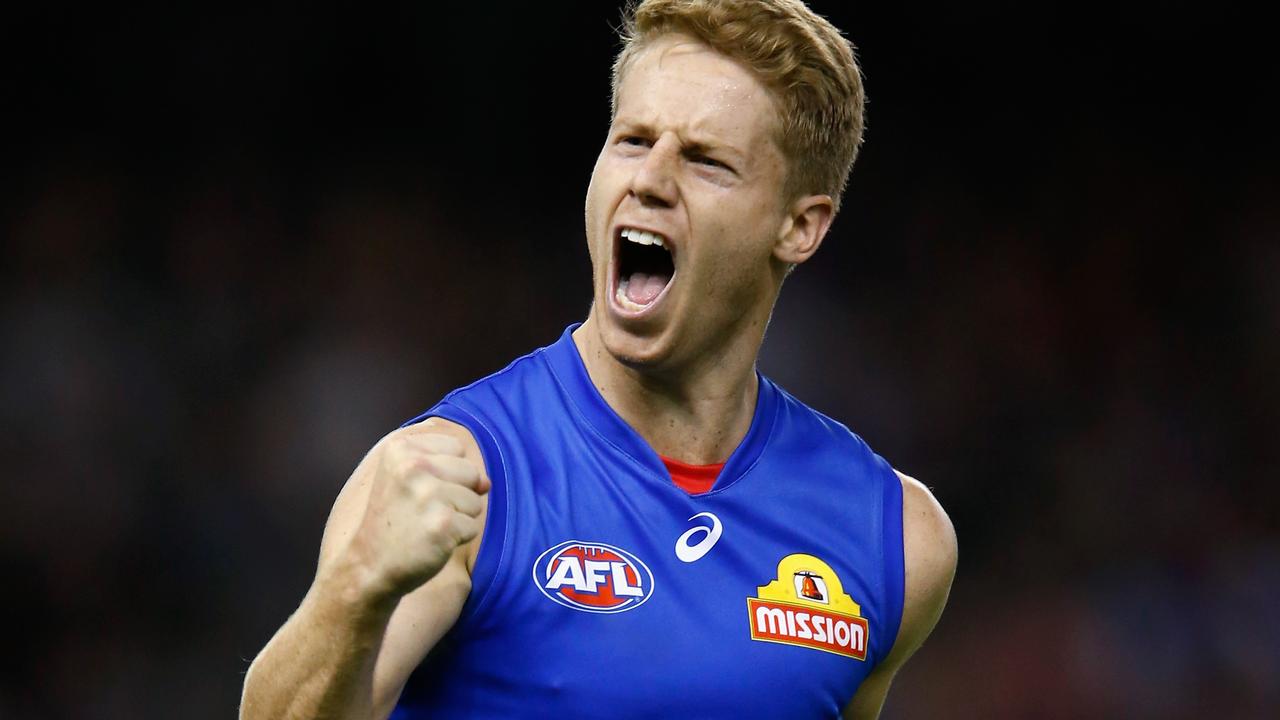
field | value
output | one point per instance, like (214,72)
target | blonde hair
(800,56)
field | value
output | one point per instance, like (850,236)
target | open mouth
(645,267)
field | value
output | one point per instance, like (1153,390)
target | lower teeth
(621,296)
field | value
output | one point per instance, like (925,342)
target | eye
(710,162)
(634,141)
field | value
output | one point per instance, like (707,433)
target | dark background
(239,245)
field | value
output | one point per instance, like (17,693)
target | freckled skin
(723,221)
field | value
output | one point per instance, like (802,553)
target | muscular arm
(929,552)
(357,635)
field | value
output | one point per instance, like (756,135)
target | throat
(698,413)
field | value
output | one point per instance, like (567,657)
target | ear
(806,224)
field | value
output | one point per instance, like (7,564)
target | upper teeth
(642,236)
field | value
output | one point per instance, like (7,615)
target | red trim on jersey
(693,479)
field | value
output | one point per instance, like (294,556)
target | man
(632,522)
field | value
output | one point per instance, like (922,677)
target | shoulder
(930,552)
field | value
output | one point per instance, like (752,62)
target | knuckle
(442,443)
(417,494)
(410,462)
(451,468)
(434,465)
(450,444)
(470,470)
(437,521)
(403,465)
(397,457)
(398,440)
(425,492)
(467,529)
(407,466)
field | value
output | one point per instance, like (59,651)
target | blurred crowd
(1065,322)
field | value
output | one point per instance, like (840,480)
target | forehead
(676,82)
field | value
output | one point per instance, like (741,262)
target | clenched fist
(424,502)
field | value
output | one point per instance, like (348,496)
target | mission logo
(806,606)
(593,577)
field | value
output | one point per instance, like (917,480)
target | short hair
(802,58)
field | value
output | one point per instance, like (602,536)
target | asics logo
(689,552)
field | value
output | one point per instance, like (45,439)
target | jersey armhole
(493,540)
(893,558)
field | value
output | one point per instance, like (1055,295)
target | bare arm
(929,550)
(393,575)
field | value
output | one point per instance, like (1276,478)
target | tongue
(643,288)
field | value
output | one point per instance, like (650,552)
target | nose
(654,183)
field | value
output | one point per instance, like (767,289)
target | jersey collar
(566,364)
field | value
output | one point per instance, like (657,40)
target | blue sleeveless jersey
(603,590)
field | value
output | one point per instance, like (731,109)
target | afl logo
(593,577)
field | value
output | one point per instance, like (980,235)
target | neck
(697,413)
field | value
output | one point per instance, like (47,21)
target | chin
(636,348)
